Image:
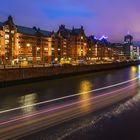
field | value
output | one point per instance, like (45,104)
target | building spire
(10,20)
(128,32)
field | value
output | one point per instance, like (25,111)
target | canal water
(26,94)
(89,127)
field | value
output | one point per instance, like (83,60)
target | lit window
(6,42)
(7,30)
(38,48)
(28,45)
(12,32)
(65,43)
(6,36)
(56,59)
(45,49)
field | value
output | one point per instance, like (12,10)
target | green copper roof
(26,30)
(76,31)
(31,31)
(45,33)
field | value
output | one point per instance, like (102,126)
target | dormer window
(7,30)
(6,36)
(12,32)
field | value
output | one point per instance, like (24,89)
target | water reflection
(139,73)
(84,97)
(48,90)
(133,71)
(28,100)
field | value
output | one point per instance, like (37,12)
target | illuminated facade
(36,46)
(78,44)
(63,37)
(73,43)
(22,43)
(130,50)
(101,50)
(18,43)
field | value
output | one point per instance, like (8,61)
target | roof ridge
(24,27)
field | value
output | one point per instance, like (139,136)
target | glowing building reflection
(139,73)
(28,100)
(85,86)
(133,72)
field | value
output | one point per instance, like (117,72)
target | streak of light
(70,96)
(68,105)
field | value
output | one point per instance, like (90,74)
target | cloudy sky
(113,18)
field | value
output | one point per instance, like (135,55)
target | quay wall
(21,75)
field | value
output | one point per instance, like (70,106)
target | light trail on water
(66,111)
(63,106)
(70,96)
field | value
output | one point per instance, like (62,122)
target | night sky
(113,18)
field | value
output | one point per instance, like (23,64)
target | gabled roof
(26,30)
(93,40)
(31,31)
(65,32)
(76,31)
(68,30)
